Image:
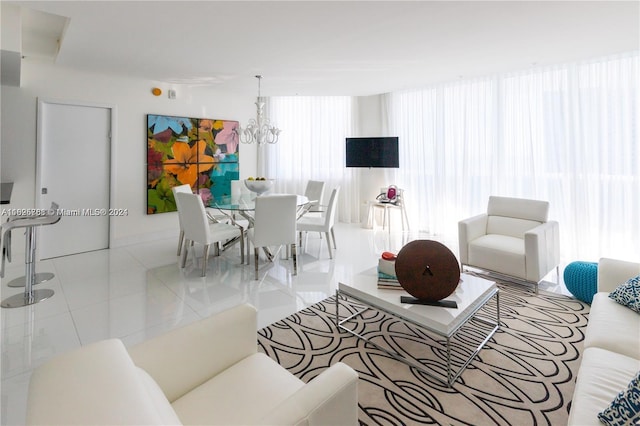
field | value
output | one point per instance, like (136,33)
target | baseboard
(144,238)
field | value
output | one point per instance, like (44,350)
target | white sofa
(611,356)
(513,238)
(205,373)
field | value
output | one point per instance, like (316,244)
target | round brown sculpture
(427,270)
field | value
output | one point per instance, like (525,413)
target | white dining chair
(240,192)
(213,217)
(322,224)
(315,193)
(198,229)
(186,188)
(238,189)
(274,225)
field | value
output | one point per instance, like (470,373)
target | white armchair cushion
(240,395)
(198,351)
(613,327)
(500,253)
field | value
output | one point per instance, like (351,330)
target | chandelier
(259,130)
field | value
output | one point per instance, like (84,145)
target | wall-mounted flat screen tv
(372,152)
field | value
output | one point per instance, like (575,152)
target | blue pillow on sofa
(628,294)
(625,408)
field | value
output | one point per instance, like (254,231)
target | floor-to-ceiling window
(567,134)
(311,146)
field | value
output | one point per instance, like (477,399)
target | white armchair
(513,238)
(206,373)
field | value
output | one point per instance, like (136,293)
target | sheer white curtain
(311,146)
(567,134)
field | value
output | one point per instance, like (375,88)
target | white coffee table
(471,295)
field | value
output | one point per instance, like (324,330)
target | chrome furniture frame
(30,296)
(244,204)
(421,318)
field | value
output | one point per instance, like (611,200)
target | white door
(73,156)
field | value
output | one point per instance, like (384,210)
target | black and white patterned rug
(525,375)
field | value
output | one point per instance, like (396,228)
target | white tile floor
(136,292)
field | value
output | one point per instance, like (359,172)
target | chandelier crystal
(259,130)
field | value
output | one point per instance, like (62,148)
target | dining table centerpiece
(259,185)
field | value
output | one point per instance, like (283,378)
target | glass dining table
(245,205)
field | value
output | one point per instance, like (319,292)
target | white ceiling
(333,47)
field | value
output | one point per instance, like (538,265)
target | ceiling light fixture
(259,130)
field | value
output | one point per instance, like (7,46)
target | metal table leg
(451,375)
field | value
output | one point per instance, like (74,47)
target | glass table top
(246,202)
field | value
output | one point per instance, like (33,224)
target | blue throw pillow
(628,294)
(625,408)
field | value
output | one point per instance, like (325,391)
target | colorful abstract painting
(200,152)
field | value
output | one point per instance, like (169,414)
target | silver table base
(452,375)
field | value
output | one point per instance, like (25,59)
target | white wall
(132,99)
(10,33)
(10,44)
